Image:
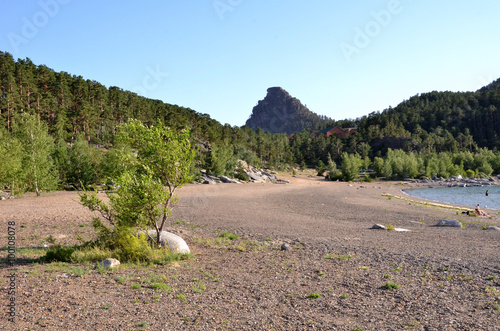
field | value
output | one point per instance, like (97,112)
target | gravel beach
(339,274)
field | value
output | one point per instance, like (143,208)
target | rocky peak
(280,112)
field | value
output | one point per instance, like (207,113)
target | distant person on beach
(487,192)
(479,212)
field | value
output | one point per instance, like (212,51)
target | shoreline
(459,205)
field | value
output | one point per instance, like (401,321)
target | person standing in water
(487,192)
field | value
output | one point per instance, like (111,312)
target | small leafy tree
(321,168)
(84,162)
(146,188)
(11,161)
(221,160)
(350,166)
(37,147)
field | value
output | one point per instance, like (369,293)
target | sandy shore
(448,278)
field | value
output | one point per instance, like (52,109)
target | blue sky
(343,59)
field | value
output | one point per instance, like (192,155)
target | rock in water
(450,223)
(170,240)
(110,263)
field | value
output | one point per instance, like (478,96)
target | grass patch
(338,257)
(142,325)
(199,288)
(106,307)
(344,257)
(344,296)
(229,235)
(136,286)
(32,253)
(161,286)
(137,252)
(314,296)
(391,286)
(121,279)
(397,269)
(390,227)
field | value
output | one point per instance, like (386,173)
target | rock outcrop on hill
(280,112)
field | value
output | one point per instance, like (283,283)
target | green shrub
(241,174)
(58,253)
(470,173)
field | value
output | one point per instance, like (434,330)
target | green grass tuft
(229,235)
(391,286)
(314,296)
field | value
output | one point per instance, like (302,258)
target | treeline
(397,164)
(76,120)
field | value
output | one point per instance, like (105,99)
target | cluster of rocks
(455,181)
(255,175)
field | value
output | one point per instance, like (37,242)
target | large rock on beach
(225,179)
(110,263)
(286,247)
(170,240)
(494,228)
(379,227)
(450,223)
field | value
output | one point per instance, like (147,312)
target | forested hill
(438,121)
(72,105)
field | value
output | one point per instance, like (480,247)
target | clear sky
(343,59)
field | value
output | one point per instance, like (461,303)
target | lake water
(467,196)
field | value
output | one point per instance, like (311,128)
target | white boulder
(110,263)
(170,240)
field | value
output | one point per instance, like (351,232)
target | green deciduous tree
(11,162)
(84,162)
(351,164)
(146,190)
(38,171)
